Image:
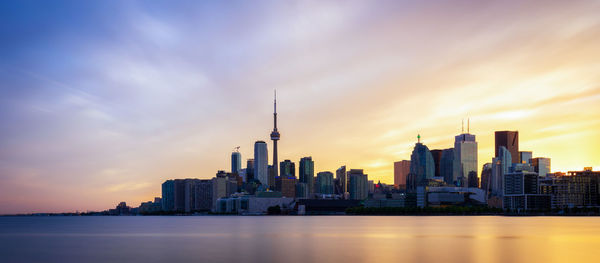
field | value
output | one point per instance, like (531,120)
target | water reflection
(299,239)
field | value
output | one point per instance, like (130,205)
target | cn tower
(275,138)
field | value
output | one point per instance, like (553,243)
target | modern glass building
(236,162)
(261,162)
(325,183)
(401,170)
(422,164)
(249,170)
(465,157)
(447,166)
(306,173)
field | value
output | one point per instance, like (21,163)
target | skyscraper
(358,185)
(510,140)
(401,170)
(236,162)
(421,163)
(465,157)
(447,166)
(261,163)
(287,168)
(306,173)
(275,138)
(325,183)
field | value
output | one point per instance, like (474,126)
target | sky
(102,101)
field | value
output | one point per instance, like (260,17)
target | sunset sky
(102,101)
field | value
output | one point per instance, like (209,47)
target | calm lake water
(300,239)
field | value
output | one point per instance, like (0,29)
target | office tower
(272,177)
(421,163)
(340,174)
(500,167)
(525,156)
(486,176)
(274,138)
(401,170)
(287,168)
(358,185)
(325,183)
(437,157)
(541,165)
(447,166)
(306,174)
(465,157)
(250,170)
(261,163)
(509,140)
(236,162)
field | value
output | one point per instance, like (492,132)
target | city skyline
(118,116)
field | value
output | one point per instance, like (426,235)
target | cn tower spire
(274,138)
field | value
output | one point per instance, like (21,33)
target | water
(299,239)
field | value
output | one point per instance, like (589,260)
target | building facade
(358,184)
(510,141)
(421,163)
(306,173)
(465,157)
(261,163)
(401,170)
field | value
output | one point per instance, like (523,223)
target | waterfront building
(204,195)
(325,183)
(574,189)
(421,163)
(252,205)
(521,192)
(509,140)
(473,180)
(261,163)
(358,184)
(173,195)
(401,170)
(541,165)
(306,172)
(236,162)
(287,168)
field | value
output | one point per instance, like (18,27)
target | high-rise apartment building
(358,184)
(261,163)
(287,168)
(340,175)
(306,173)
(541,165)
(236,162)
